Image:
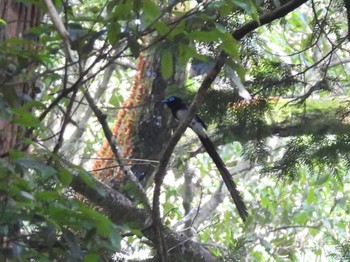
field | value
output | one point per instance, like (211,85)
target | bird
(179,111)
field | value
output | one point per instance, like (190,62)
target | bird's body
(196,123)
(179,111)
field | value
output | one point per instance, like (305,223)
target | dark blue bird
(179,111)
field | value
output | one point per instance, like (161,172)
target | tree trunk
(19,18)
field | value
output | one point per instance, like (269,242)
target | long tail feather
(226,176)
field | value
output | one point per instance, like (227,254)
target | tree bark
(19,18)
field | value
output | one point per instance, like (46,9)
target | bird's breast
(195,125)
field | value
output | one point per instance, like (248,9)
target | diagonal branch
(57,22)
(116,152)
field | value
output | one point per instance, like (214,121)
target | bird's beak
(164,101)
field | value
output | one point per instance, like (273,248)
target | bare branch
(57,22)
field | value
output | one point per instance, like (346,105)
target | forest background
(94,168)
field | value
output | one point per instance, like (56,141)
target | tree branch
(311,120)
(121,210)
(116,152)
(268,18)
(58,24)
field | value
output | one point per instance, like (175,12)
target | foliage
(43,218)
(295,68)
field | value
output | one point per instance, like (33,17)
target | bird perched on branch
(179,111)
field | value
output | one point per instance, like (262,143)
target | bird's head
(172,100)
(174,103)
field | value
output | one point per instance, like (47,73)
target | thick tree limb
(121,210)
(268,18)
(310,121)
(317,123)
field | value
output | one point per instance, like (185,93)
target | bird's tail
(226,176)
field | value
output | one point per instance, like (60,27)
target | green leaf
(205,36)
(167,64)
(137,232)
(115,239)
(65,177)
(33,104)
(123,11)
(87,178)
(230,45)
(104,227)
(47,195)
(59,214)
(178,32)
(301,218)
(113,33)
(116,99)
(311,196)
(44,170)
(25,118)
(186,52)
(5,111)
(92,257)
(161,27)
(226,9)
(102,223)
(151,11)
(321,180)
(250,7)
(265,201)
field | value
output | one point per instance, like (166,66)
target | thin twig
(292,227)
(124,159)
(114,166)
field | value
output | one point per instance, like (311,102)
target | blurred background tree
(83,131)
